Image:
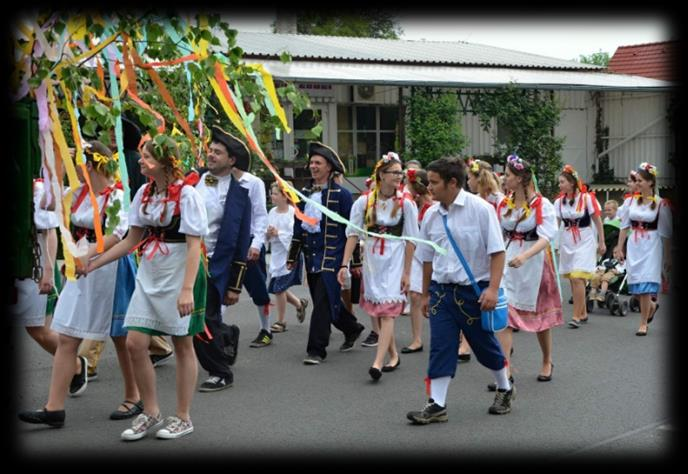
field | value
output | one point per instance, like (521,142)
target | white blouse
(194,219)
(547,229)
(83,215)
(43,218)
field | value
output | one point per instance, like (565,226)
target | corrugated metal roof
(339,48)
(455,76)
(656,60)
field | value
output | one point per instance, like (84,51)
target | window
(365,132)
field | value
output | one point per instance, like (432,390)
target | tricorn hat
(317,148)
(235,147)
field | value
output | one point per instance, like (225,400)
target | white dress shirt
(259,211)
(474,226)
(214,197)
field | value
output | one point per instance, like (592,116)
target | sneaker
(214,383)
(80,380)
(92,375)
(349,340)
(231,343)
(264,339)
(159,360)
(371,340)
(176,428)
(492,387)
(301,312)
(573,324)
(431,413)
(140,427)
(502,401)
(313,360)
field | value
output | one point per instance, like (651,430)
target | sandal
(278,326)
(301,312)
(135,409)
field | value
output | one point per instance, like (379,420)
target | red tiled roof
(655,60)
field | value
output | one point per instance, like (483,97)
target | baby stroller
(617,285)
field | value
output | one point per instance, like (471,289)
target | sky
(556,36)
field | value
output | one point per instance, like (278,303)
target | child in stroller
(610,270)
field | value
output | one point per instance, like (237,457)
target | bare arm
(427,275)
(619,249)
(408,259)
(351,242)
(47,282)
(488,298)
(601,247)
(118,250)
(185,302)
(520,259)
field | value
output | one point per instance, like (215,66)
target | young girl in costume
(172,213)
(578,210)
(84,308)
(529,224)
(650,222)
(279,232)
(387,262)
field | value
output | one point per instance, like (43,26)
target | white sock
(264,319)
(502,379)
(438,389)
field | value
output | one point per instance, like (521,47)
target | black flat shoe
(546,378)
(408,350)
(465,357)
(391,368)
(375,374)
(649,320)
(641,333)
(51,418)
(131,411)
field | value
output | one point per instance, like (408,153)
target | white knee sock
(502,379)
(439,388)
(264,318)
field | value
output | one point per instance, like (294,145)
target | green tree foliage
(372,23)
(156,38)
(598,59)
(526,119)
(433,128)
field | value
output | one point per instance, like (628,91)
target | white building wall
(627,113)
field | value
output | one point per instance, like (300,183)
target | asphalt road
(610,399)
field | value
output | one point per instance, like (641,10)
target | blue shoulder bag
(491,321)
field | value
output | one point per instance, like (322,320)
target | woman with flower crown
(649,219)
(529,224)
(173,215)
(578,210)
(84,307)
(387,262)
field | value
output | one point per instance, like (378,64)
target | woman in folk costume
(387,262)
(649,219)
(417,184)
(84,308)
(578,248)
(529,223)
(632,189)
(483,182)
(172,213)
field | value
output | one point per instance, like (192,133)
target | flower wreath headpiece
(517,162)
(649,167)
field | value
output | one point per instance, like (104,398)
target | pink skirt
(377,310)
(548,312)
